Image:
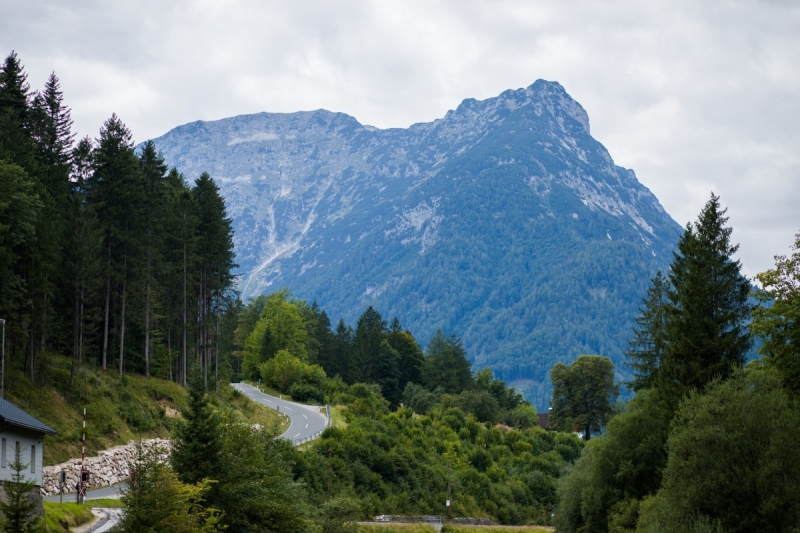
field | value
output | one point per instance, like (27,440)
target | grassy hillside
(118,409)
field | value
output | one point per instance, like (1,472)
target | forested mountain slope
(505,223)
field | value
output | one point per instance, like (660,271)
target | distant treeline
(104,253)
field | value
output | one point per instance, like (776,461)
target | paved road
(112,491)
(306,420)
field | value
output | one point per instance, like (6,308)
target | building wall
(29,441)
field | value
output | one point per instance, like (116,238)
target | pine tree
(82,252)
(446,364)
(366,346)
(341,352)
(649,342)
(116,192)
(706,320)
(197,444)
(215,263)
(154,171)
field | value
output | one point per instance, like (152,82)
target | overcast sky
(694,96)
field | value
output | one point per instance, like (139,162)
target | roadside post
(3,378)
(62,480)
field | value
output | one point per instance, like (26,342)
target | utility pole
(3,379)
(448,487)
(330,475)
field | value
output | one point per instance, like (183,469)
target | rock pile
(108,468)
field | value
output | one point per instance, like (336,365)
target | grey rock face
(504,222)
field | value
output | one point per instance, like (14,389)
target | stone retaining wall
(108,468)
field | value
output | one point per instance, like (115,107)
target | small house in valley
(21,433)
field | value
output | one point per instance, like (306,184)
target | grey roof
(13,415)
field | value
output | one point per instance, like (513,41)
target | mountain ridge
(465,223)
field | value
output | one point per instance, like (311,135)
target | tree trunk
(104,360)
(183,320)
(122,316)
(147,320)
(75,324)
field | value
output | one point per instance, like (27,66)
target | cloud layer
(694,96)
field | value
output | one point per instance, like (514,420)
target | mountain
(504,223)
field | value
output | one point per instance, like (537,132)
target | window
(33,459)
(3,454)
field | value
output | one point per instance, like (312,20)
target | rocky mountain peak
(503,222)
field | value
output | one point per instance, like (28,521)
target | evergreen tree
(706,320)
(52,133)
(446,364)
(116,192)
(18,508)
(411,356)
(197,442)
(215,263)
(341,353)
(16,144)
(387,372)
(82,251)
(154,172)
(649,341)
(366,346)
(19,209)
(158,502)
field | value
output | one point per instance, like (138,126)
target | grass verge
(119,409)
(59,517)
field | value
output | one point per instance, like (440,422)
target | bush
(303,392)
(733,460)
(284,370)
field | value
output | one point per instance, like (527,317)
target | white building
(20,431)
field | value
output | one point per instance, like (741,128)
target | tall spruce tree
(116,192)
(708,311)
(154,172)
(366,346)
(649,343)
(197,442)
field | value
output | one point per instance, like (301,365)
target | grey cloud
(693,96)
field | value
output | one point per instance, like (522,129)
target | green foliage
(158,501)
(18,507)
(621,466)
(285,370)
(647,348)
(197,443)
(706,320)
(419,399)
(446,364)
(280,327)
(583,394)
(339,515)
(777,320)
(397,463)
(255,489)
(732,459)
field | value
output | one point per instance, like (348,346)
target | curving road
(306,423)
(306,420)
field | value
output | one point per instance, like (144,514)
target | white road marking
(304,416)
(287,408)
(296,435)
(306,426)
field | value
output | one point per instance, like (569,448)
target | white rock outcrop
(107,468)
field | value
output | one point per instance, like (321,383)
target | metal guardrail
(318,433)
